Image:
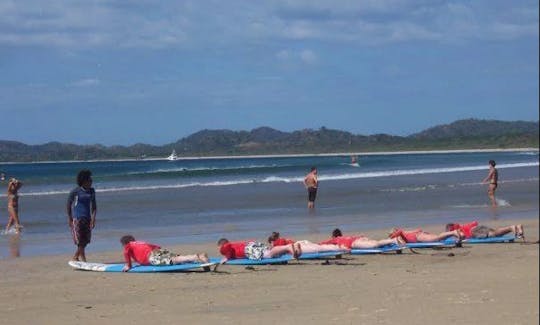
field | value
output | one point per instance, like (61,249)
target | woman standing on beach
(13,204)
(492,178)
(81,211)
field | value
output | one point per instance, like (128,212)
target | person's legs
(280,250)
(427,237)
(309,247)
(201,257)
(491,194)
(371,243)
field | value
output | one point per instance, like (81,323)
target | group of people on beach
(81,209)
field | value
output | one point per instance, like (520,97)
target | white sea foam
(276,179)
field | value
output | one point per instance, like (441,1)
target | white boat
(172,156)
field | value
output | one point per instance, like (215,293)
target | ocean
(202,200)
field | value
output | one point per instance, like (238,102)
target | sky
(141,71)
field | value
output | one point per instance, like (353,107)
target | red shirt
(138,251)
(345,241)
(467,228)
(282,242)
(233,250)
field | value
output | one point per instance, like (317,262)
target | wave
(204,169)
(296,179)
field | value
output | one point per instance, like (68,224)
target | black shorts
(312,194)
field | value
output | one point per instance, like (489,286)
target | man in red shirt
(150,254)
(474,230)
(254,250)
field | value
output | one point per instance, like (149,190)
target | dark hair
(336,233)
(273,236)
(451,226)
(83,176)
(222,241)
(313,168)
(127,239)
(492,163)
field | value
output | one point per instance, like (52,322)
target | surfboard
(117,267)
(245,261)
(318,255)
(377,250)
(499,239)
(447,242)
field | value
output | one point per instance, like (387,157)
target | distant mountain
(462,134)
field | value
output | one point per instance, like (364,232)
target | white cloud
(149,24)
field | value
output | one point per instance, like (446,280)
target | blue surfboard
(499,239)
(376,250)
(318,255)
(117,267)
(447,242)
(245,261)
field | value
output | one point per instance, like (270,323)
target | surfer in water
(149,254)
(492,178)
(311,183)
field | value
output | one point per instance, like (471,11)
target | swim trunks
(161,257)
(312,194)
(481,232)
(255,250)
(81,231)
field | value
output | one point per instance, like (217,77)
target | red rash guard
(138,251)
(467,228)
(233,250)
(345,241)
(282,242)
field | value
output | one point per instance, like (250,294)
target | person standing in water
(311,183)
(81,211)
(13,205)
(492,178)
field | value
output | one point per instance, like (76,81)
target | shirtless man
(492,178)
(311,183)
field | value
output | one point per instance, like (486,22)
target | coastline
(369,153)
(480,284)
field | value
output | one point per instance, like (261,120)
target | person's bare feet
(202,257)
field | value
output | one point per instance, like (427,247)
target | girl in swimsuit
(492,178)
(13,204)
(305,245)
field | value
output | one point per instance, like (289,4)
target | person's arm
(127,258)
(489,176)
(69,204)
(306,180)
(93,210)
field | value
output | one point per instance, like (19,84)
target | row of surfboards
(117,267)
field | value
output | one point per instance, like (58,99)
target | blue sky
(122,72)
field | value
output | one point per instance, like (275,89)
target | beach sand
(476,284)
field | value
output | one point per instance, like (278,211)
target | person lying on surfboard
(359,242)
(149,254)
(254,250)
(474,230)
(307,247)
(420,236)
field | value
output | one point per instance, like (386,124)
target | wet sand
(475,284)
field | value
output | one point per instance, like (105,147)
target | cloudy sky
(128,71)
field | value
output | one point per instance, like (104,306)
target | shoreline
(369,153)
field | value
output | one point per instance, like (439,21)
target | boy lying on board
(149,254)
(474,230)
(420,236)
(359,242)
(306,246)
(254,250)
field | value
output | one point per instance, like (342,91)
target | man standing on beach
(311,183)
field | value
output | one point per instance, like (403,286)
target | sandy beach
(475,284)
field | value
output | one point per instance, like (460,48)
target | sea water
(201,200)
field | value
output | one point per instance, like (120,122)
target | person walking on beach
(149,254)
(13,205)
(81,211)
(311,183)
(492,178)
